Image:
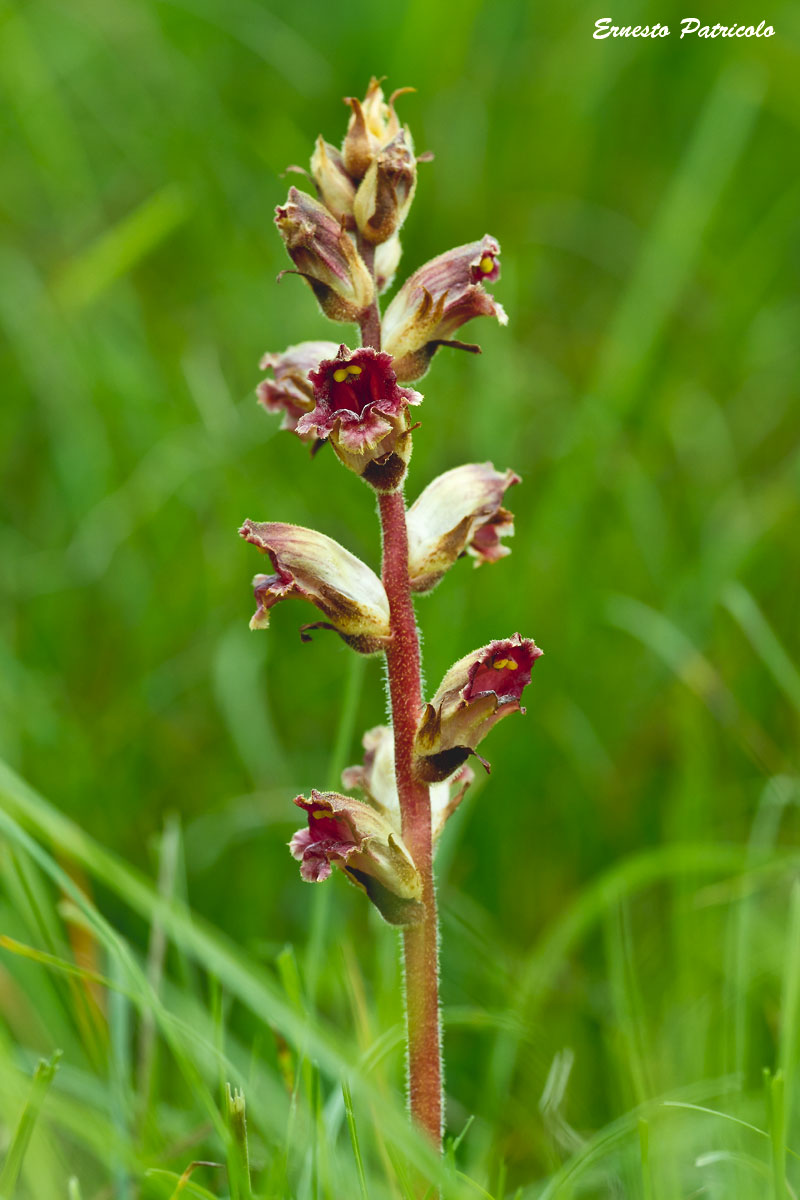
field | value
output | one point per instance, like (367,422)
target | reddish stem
(421,941)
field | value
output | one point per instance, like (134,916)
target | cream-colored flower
(459,513)
(314,567)
(437,300)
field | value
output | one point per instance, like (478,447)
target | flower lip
(356,391)
(328,836)
(485,267)
(505,670)
(361,842)
(350,383)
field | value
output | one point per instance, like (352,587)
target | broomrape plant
(345,243)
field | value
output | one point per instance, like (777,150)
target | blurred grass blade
(120,1074)
(762,638)
(351,1125)
(776,1125)
(86,276)
(22,808)
(238,1149)
(42,1078)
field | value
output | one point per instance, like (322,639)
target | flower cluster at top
(344,241)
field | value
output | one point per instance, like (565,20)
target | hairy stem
(371,318)
(421,941)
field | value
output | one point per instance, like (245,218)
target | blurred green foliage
(646,198)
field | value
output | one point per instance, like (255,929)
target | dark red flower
(474,695)
(363,411)
(361,842)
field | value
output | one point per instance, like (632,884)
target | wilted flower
(387,190)
(460,512)
(325,255)
(361,842)
(375,777)
(291,391)
(337,191)
(360,407)
(314,567)
(437,300)
(473,696)
(373,124)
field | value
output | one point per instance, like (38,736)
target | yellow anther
(486,264)
(505,664)
(320,812)
(354,370)
(340,375)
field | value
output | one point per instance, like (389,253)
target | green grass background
(621,925)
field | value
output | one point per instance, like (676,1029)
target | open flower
(460,512)
(352,836)
(474,695)
(373,124)
(387,190)
(437,300)
(360,407)
(291,391)
(325,255)
(375,778)
(316,568)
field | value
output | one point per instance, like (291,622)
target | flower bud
(336,189)
(359,841)
(291,391)
(373,124)
(325,255)
(387,190)
(474,695)
(459,513)
(387,260)
(316,568)
(375,778)
(437,300)
(364,413)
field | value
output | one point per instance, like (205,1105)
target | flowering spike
(359,841)
(360,407)
(325,255)
(314,567)
(291,391)
(458,513)
(474,695)
(437,300)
